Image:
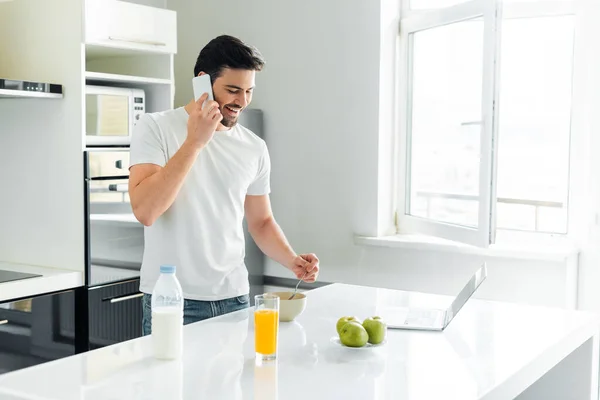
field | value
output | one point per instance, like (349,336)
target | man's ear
(201,73)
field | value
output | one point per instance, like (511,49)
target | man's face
(233,91)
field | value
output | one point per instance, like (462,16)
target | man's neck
(188,108)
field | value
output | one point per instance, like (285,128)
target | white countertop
(52,280)
(489,351)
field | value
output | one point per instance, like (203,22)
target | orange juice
(266,325)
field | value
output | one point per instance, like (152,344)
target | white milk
(167,332)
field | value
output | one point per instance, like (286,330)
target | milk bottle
(167,315)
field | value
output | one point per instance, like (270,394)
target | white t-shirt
(202,232)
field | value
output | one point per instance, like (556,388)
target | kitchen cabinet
(40,329)
(115,314)
(121,24)
(97,42)
(29,330)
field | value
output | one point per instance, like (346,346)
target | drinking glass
(266,326)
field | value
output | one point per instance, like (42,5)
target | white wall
(41,174)
(324,112)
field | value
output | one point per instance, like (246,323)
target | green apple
(353,334)
(376,328)
(342,321)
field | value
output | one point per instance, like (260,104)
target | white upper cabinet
(128,26)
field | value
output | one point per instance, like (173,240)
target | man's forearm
(155,194)
(270,239)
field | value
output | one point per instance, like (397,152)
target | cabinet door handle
(4,321)
(134,40)
(124,298)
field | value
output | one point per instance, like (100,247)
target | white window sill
(557,250)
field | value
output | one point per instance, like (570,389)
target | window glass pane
(444,136)
(534,124)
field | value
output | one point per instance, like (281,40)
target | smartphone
(202,85)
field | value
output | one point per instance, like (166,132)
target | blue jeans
(195,310)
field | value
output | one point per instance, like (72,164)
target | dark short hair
(227,52)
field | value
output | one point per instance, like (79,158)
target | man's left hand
(306,264)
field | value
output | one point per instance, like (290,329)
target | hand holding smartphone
(203,120)
(201,85)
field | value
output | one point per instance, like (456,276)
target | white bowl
(290,309)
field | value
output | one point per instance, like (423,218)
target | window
(534,123)
(485,118)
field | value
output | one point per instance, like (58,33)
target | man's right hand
(203,121)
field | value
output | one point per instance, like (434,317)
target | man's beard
(229,122)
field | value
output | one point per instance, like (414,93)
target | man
(195,173)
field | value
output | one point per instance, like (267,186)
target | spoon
(298,284)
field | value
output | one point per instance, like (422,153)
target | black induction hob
(7,276)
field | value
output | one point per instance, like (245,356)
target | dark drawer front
(15,335)
(115,314)
(29,330)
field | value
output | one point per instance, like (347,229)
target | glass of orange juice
(266,326)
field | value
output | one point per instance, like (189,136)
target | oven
(114,249)
(115,239)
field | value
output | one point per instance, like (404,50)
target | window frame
(419,21)
(486,233)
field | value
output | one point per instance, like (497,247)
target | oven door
(109,117)
(108,179)
(114,237)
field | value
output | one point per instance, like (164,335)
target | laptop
(433,319)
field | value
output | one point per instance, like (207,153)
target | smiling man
(195,173)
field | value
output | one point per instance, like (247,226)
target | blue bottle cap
(167,269)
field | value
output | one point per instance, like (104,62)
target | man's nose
(242,101)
